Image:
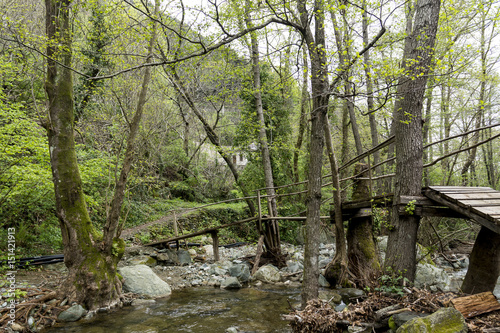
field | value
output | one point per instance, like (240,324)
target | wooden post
(258,254)
(259,224)
(215,244)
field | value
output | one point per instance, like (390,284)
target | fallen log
(474,305)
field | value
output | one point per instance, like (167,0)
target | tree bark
(369,90)
(336,271)
(401,249)
(92,280)
(319,89)
(304,107)
(273,242)
(484,267)
(362,251)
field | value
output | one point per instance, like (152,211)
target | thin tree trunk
(273,244)
(112,229)
(304,107)
(401,247)
(369,91)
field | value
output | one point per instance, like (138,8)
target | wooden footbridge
(480,204)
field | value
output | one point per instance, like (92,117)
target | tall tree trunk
(410,13)
(319,90)
(304,108)
(273,243)
(401,249)
(92,280)
(369,90)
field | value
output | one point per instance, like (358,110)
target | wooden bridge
(480,204)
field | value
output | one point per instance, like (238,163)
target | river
(198,310)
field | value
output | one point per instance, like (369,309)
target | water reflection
(194,310)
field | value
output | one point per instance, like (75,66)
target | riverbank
(196,268)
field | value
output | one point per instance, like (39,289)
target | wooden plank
(459,188)
(473,215)
(473,196)
(474,305)
(492,202)
(487,210)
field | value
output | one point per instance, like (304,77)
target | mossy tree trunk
(362,253)
(90,256)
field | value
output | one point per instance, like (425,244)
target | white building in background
(238,156)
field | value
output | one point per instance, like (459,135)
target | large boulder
(446,320)
(141,279)
(268,274)
(432,277)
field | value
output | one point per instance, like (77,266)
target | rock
(446,320)
(350,294)
(322,281)
(432,277)
(184,258)
(218,270)
(230,283)
(330,296)
(142,260)
(16,327)
(141,279)
(140,301)
(400,318)
(268,274)
(72,314)
(240,271)
(232,330)
(209,250)
(175,257)
(359,329)
(293,266)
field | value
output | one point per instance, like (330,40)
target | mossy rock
(446,320)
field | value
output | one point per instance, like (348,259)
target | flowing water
(197,310)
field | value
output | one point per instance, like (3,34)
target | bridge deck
(482,204)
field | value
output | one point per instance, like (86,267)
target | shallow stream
(197,310)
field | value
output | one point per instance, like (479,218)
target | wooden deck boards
(481,204)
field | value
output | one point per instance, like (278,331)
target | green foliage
(410,207)
(392,283)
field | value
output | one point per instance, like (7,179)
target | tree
(91,257)
(418,51)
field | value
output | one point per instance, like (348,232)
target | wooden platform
(481,204)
